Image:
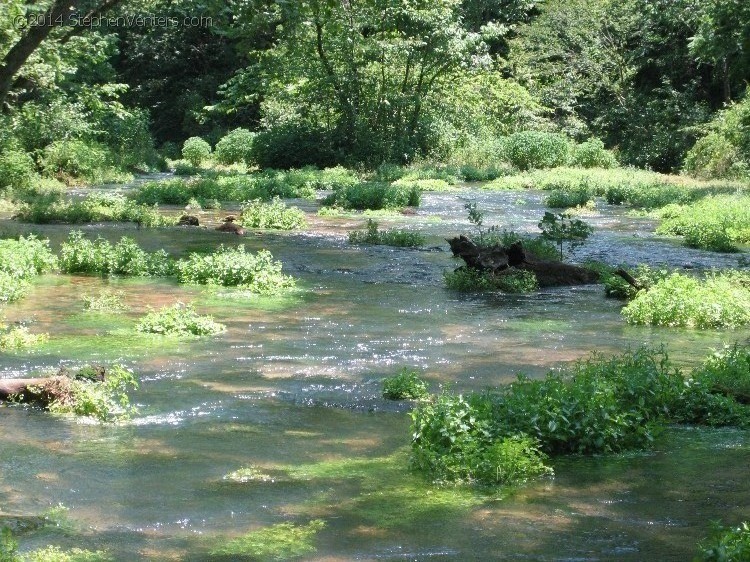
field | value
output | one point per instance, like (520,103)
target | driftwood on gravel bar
(500,260)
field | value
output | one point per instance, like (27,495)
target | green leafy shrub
(536,245)
(535,149)
(306,179)
(234,267)
(616,287)
(56,554)
(374,196)
(560,199)
(406,385)
(716,223)
(180,320)
(278,542)
(19,337)
(94,208)
(235,147)
(600,405)
(274,215)
(106,301)
(714,156)
(398,238)
(17,171)
(592,154)
(465,279)
(196,151)
(726,544)
(293,145)
(718,301)
(727,371)
(100,257)
(21,260)
(87,395)
(71,160)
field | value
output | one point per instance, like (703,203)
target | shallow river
(293,388)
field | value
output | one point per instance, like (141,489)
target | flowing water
(293,388)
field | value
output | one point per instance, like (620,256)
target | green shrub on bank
(235,147)
(92,209)
(72,160)
(398,238)
(560,199)
(407,385)
(234,267)
(726,544)
(274,215)
(592,154)
(17,171)
(597,406)
(469,280)
(179,320)
(716,223)
(535,149)
(100,257)
(374,196)
(196,151)
(721,300)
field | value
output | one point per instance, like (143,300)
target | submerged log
(42,391)
(500,260)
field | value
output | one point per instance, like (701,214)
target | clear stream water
(293,388)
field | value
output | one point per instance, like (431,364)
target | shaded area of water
(295,382)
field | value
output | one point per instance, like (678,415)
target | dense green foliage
(717,223)
(374,196)
(465,279)
(93,208)
(21,260)
(726,544)
(720,300)
(81,255)
(392,237)
(284,541)
(19,337)
(274,215)
(179,320)
(562,228)
(196,151)
(234,267)
(601,405)
(406,385)
(235,147)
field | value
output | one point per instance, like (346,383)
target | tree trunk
(43,391)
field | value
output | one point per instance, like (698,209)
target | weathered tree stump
(188,220)
(499,260)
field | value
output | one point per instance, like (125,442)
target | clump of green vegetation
(94,208)
(727,371)
(179,320)
(536,245)
(726,544)
(235,147)
(9,552)
(598,406)
(20,261)
(721,300)
(196,151)
(284,541)
(561,199)
(561,228)
(19,337)
(249,474)
(467,280)
(426,185)
(106,301)
(17,172)
(536,149)
(234,267)
(72,161)
(374,195)
(714,223)
(616,287)
(592,154)
(305,179)
(406,385)
(393,237)
(100,257)
(92,392)
(274,215)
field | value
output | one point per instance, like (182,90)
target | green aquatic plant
(106,301)
(393,237)
(562,199)
(726,544)
(180,320)
(20,261)
(81,255)
(284,541)
(727,371)
(406,385)
(19,337)
(720,300)
(234,267)
(274,215)
(374,196)
(468,280)
(600,405)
